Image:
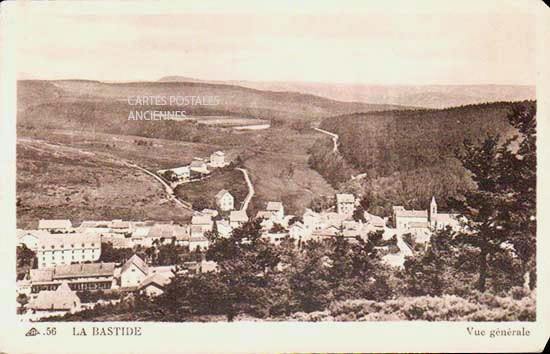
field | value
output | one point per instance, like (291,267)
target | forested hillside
(408,155)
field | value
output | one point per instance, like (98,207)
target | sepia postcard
(274,176)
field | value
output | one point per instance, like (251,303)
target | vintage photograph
(342,161)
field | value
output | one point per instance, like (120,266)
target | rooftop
(274,206)
(54,224)
(71,240)
(160,279)
(63,298)
(411,213)
(221,193)
(201,220)
(238,216)
(138,262)
(345,198)
(72,271)
(196,163)
(419,225)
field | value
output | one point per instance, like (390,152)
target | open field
(268,155)
(55,181)
(277,165)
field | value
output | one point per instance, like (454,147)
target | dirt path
(250,189)
(169,190)
(332,135)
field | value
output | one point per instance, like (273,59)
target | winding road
(60,149)
(169,190)
(250,189)
(334,138)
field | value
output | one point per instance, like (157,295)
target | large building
(79,277)
(62,249)
(403,217)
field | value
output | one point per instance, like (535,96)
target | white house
(311,219)
(225,201)
(345,204)
(182,173)
(55,225)
(217,159)
(133,272)
(277,209)
(298,231)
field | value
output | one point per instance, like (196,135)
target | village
(69,259)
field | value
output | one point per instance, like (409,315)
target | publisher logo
(32,332)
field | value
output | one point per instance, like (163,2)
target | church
(424,219)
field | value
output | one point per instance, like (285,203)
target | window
(82,245)
(93,244)
(72,245)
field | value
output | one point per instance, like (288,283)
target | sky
(344,41)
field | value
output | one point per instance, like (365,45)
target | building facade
(63,249)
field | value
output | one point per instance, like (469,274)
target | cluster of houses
(68,256)
(53,291)
(197,169)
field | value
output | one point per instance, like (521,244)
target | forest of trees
(408,156)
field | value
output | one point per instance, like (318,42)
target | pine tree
(500,211)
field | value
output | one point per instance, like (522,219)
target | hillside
(46,98)
(428,96)
(408,156)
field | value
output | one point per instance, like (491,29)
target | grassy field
(55,181)
(229,179)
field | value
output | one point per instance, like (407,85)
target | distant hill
(234,100)
(427,96)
